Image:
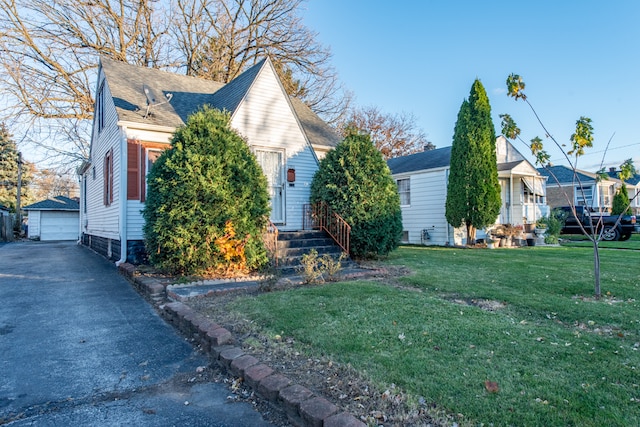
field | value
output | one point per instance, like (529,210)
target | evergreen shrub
(356,182)
(207,202)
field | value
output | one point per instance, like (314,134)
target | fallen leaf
(491,386)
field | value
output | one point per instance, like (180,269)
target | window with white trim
(108,178)
(100,117)
(584,196)
(404,189)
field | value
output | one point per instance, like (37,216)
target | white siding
(34,224)
(135,221)
(426,212)
(101,220)
(265,119)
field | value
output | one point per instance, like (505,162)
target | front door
(272,166)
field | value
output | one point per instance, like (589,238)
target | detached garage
(54,219)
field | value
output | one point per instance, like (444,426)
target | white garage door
(59,225)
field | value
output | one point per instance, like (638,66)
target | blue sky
(577,58)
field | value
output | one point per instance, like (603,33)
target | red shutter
(133,170)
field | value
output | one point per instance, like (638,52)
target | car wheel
(625,236)
(610,234)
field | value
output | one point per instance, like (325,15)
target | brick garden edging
(303,407)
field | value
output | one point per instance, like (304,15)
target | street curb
(303,407)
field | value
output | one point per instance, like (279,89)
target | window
(99,113)
(584,196)
(108,178)
(606,196)
(404,189)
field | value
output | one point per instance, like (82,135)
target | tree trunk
(596,268)
(471,235)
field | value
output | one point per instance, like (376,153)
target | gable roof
(126,82)
(126,85)
(565,174)
(634,180)
(440,157)
(58,203)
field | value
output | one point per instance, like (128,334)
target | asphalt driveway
(78,346)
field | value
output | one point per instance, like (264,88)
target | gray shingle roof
(564,174)
(58,203)
(190,93)
(126,81)
(317,130)
(440,157)
(634,180)
(229,96)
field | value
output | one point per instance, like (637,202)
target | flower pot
(531,242)
(528,228)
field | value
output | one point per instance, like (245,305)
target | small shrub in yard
(554,223)
(318,269)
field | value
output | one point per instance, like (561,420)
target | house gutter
(123,196)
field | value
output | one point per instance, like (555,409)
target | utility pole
(18,208)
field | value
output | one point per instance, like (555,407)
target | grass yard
(523,319)
(582,241)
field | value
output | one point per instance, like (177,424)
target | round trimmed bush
(356,182)
(207,201)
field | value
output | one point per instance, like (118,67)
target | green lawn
(580,240)
(558,356)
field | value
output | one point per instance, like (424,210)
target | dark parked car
(611,228)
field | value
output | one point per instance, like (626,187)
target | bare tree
(393,134)
(49,52)
(242,32)
(49,183)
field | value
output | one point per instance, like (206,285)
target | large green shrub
(201,191)
(356,182)
(621,201)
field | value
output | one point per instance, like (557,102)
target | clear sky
(577,58)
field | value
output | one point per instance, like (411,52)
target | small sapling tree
(580,140)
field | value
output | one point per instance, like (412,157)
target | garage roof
(58,203)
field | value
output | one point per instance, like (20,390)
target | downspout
(446,185)
(511,197)
(123,197)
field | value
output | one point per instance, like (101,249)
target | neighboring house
(582,188)
(633,189)
(137,111)
(422,183)
(54,219)
(6,224)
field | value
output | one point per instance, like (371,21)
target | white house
(633,189)
(53,219)
(422,183)
(137,111)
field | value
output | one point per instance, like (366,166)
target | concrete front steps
(292,245)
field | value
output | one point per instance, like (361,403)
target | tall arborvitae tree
(621,204)
(9,172)
(473,190)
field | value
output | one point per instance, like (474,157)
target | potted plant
(518,235)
